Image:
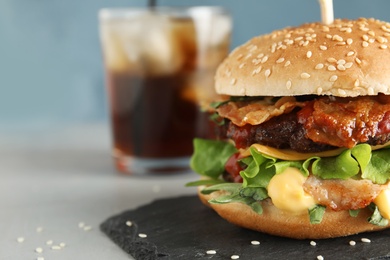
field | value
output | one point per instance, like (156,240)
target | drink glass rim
(116,13)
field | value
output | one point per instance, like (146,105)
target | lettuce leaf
(210,157)
(378,168)
(316,213)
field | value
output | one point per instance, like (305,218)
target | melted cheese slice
(286,192)
(290,155)
(383,203)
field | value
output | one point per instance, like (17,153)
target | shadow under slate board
(183,228)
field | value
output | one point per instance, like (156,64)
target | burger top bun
(347,58)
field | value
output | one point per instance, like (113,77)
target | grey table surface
(55,182)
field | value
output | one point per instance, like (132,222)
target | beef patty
(283,132)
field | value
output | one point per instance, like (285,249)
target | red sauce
(233,168)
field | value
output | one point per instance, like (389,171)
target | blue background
(50,60)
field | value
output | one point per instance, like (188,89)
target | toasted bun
(276,222)
(346,58)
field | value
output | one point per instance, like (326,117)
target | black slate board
(183,228)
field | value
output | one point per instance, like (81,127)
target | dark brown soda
(152,116)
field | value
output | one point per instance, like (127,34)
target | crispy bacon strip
(256,112)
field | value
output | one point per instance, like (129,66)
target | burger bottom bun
(277,222)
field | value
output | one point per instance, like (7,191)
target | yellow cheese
(383,203)
(290,155)
(286,192)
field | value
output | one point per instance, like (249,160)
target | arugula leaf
(204,182)
(354,212)
(210,156)
(256,193)
(227,186)
(376,217)
(378,168)
(316,213)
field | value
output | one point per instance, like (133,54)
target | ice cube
(113,52)
(151,44)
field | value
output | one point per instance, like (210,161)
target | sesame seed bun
(347,58)
(277,222)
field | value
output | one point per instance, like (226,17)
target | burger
(303,137)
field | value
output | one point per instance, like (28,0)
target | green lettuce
(210,157)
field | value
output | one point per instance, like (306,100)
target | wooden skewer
(327,11)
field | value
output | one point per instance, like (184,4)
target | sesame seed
(233,81)
(365,44)
(241,65)
(287,63)
(298,38)
(320,257)
(264,59)
(340,67)
(257,71)
(349,41)
(372,40)
(289,42)
(56,248)
(39,229)
(351,53)
(129,223)
(348,65)
(305,43)
(381,39)
(342,92)
(383,46)
(305,75)
(40,258)
(371,33)
(333,78)
(366,240)
(39,250)
(328,36)
(255,242)
(325,29)
(267,73)
(235,257)
(337,38)
(309,54)
(341,61)
(239,57)
(331,60)
(357,83)
(142,235)
(331,68)
(20,239)
(280,60)
(358,61)
(49,242)
(248,56)
(211,252)
(87,228)
(352,243)
(62,244)
(319,66)
(256,61)
(319,90)
(323,47)
(365,37)
(288,84)
(261,55)
(313,243)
